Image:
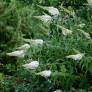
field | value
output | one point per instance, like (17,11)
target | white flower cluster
(31,65)
(21,51)
(87,35)
(34,65)
(37,42)
(78,56)
(89,2)
(58,90)
(45,73)
(81,25)
(24,47)
(44,18)
(53,11)
(47,18)
(66,31)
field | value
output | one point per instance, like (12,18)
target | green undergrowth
(18,24)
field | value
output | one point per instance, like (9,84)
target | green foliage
(18,26)
(56,2)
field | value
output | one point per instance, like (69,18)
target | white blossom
(53,11)
(18,53)
(87,35)
(78,56)
(45,73)
(37,42)
(89,2)
(66,31)
(24,47)
(81,25)
(58,90)
(45,18)
(32,65)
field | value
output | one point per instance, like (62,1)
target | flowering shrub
(45,46)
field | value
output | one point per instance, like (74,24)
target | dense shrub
(19,25)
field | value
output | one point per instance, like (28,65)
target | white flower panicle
(87,35)
(53,11)
(89,2)
(45,73)
(78,56)
(45,18)
(24,47)
(37,42)
(81,25)
(66,31)
(57,91)
(18,53)
(32,65)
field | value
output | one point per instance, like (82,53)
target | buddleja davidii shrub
(66,81)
